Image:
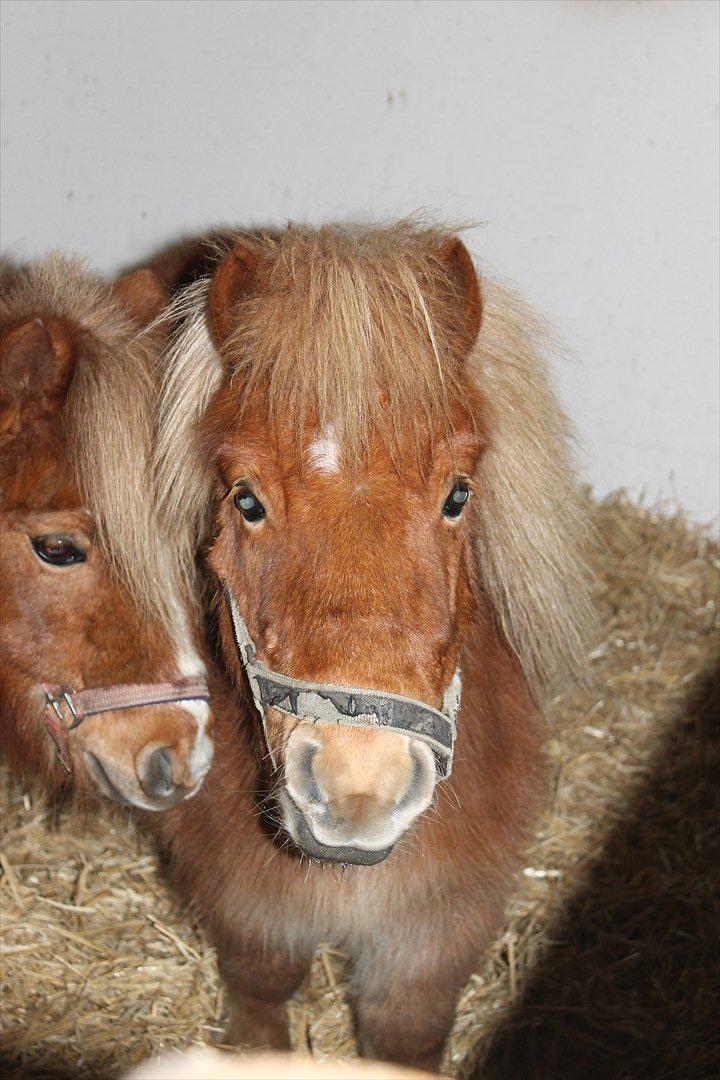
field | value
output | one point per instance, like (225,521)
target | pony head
(335,376)
(76,394)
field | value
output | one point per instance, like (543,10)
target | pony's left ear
(234,280)
(142,295)
(455,257)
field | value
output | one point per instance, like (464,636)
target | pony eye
(455,502)
(249,506)
(57,550)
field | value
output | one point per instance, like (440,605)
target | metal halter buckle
(54,701)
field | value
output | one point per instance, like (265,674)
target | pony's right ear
(37,360)
(234,280)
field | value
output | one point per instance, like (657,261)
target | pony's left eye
(249,505)
(456,500)
(57,550)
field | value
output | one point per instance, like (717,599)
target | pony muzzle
(359,764)
(153,759)
(350,794)
(144,745)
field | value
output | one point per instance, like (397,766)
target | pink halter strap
(66,709)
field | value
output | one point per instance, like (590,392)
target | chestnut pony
(77,392)
(371,451)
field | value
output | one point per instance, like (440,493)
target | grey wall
(582,134)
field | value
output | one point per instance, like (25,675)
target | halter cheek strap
(327,703)
(66,709)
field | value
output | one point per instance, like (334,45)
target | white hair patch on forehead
(324,451)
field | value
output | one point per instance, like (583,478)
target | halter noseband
(91,702)
(326,703)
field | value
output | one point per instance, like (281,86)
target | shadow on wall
(630,987)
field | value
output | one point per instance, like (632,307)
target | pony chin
(300,832)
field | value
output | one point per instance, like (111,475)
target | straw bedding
(607,965)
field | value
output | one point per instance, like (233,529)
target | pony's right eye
(57,550)
(249,505)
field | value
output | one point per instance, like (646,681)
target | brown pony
(77,392)
(371,451)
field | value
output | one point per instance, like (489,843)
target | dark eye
(57,550)
(456,500)
(249,506)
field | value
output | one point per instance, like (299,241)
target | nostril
(157,781)
(415,781)
(314,794)
(421,782)
(301,782)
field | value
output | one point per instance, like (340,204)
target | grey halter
(325,703)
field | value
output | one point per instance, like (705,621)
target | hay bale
(603,968)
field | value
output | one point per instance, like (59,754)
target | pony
(103,661)
(366,444)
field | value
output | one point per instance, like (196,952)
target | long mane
(356,326)
(533,529)
(107,417)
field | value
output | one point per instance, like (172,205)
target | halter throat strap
(66,709)
(352,706)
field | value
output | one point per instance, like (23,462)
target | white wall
(583,134)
